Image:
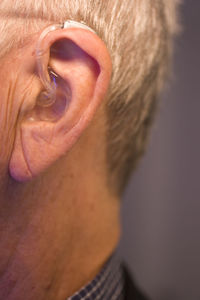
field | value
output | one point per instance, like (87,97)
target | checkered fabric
(107,285)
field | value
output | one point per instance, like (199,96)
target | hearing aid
(50,79)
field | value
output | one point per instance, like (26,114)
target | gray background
(161,209)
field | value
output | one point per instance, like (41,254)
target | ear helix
(54,100)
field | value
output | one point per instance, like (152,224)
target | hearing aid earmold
(49,79)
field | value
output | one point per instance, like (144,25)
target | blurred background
(161,206)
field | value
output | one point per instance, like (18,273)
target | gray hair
(138,34)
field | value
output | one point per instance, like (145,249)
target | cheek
(6,130)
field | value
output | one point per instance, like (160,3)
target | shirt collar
(107,285)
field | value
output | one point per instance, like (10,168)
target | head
(75,157)
(135,42)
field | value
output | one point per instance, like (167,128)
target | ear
(82,62)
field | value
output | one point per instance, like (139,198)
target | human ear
(81,64)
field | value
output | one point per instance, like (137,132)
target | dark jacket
(131,291)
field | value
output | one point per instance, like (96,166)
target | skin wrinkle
(8,103)
(25,93)
(24,155)
(8,117)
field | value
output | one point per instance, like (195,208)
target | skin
(59,222)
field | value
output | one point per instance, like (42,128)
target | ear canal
(52,104)
(47,97)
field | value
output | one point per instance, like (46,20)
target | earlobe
(82,66)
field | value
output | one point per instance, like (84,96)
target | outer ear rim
(95,50)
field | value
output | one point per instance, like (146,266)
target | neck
(54,243)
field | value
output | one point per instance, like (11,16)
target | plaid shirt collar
(107,285)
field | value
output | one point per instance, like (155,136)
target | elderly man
(77,101)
